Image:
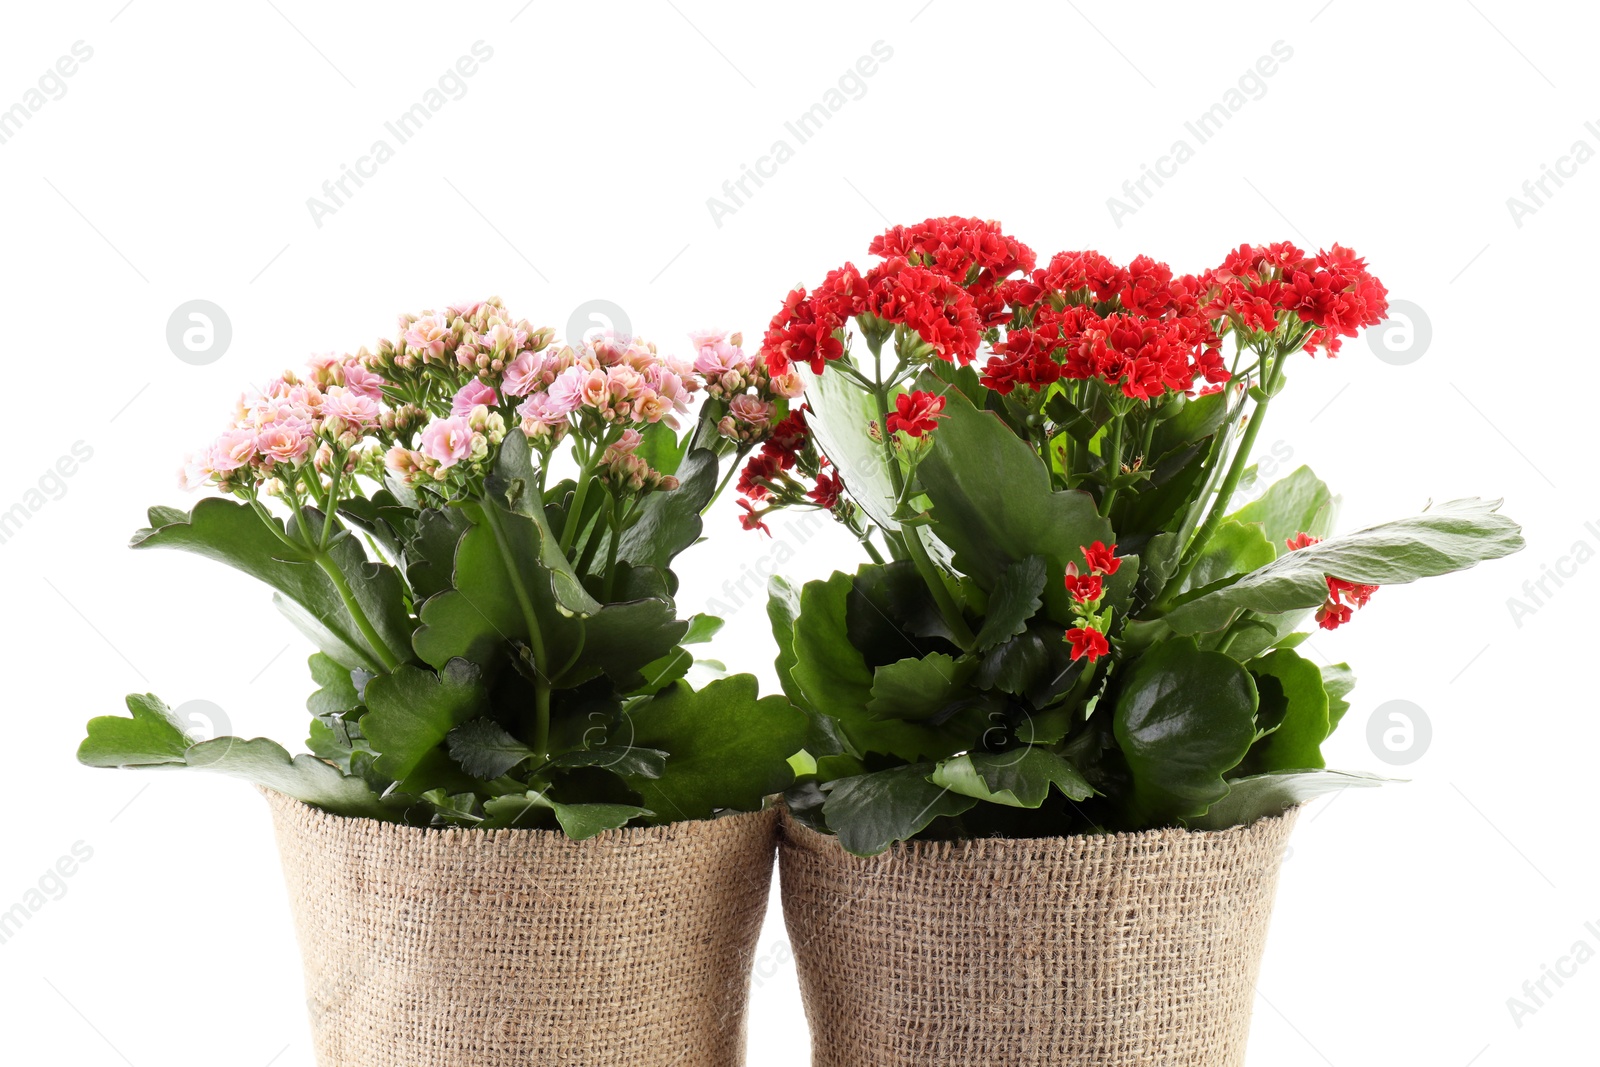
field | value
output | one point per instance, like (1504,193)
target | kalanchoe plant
(1067,624)
(498,643)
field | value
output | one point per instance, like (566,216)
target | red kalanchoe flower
(1087,642)
(825,494)
(751,519)
(1343,596)
(936,308)
(1085,588)
(916,413)
(1102,558)
(760,469)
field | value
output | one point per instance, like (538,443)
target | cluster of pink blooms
(293,420)
(742,380)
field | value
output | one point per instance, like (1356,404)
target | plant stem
(1113,460)
(569,529)
(336,576)
(733,470)
(1241,460)
(541,679)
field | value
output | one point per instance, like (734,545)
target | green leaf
(261,761)
(1299,503)
(1450,537)
(233,533)
(833,678)
(1020,778)
(154,736)
(337,689)
(412,711)
(1264,795)
(662,448)
(919,689)
(870,812)
(1234,549)
(702,628)
(1337,681)
(629,761)
(485,750)
(839,413)
(578,821)
(728,748)
(992,500)
(1290,689)
(670,522)
(1015,600)
(783,608)
(1184,718)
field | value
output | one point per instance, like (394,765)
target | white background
(577,167)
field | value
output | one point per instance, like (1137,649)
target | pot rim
(636,835)
(792,832)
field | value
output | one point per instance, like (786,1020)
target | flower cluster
(1343,597)
(777,474)
(1259,286)
(754,398)
(1088,637)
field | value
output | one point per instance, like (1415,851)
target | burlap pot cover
(520,948)
(1127,949)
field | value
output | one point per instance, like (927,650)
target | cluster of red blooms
(1088,638)
(1343,597)
(1139,328)
(785,457)
(944,279)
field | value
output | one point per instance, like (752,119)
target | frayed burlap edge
(1115,950)
(505,948)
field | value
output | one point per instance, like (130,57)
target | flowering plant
(498,644)
(1066,625)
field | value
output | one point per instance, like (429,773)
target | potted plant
(520,835)
(1060,719)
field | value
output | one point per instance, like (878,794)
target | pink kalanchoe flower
(787,385)
(750,410)
(701,338)
(231,451)
(284,442)
(471,395)
(717,359)
(429,334)
(594,388)
(447,440)
(522,374)
(363,382)
(354,408)
(566,392)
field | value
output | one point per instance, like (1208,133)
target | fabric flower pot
(1116,950)
(494,948)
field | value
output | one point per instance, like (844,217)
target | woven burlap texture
(520,948)
(1112,951)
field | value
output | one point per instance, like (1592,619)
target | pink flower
(595,388)
(231,451)
(429,334)
(701,338)
(624,382)
(361,381)
(566,392)
(750,410)
(447,440)
(354,408)
(474,394)
(283,442)
(522,374)
(718,359)
(788,385)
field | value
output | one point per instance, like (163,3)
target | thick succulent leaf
(1183,719)
(629,761)
(1337,681)
(670,522)
(727,747)
(870,812)
(1294,706)
(839,414)
(485,749)
(577,821)
(1299,503)
(992,500)
(1264,795)
(233,533)
(1016,599)
(336,686)
(919,689)
(152,737)
(412,711)
(1234,549)
(1447,538)
(1020,778)
(262,761)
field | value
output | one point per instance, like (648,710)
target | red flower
(1085,588)
(751,519)
(937,309)
(825,494)
(1102,558)
(1086,642)
(916,413)
(1332,615)
(1343,596)
(1302,540)
(760,469)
